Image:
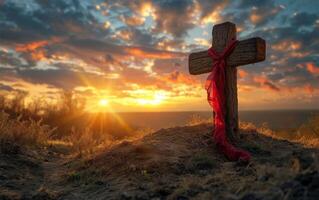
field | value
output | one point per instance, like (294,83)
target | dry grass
(22,132)
(181,162)
(87,142)
(174,163)
(307,134)
(18,131)
(197,119)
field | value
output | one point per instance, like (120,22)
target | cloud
(44,20)
(264,82)
(8,59)
(134,36)
(124,45)
(309,89)
(151,53)
(303,19)
(6,87)
(242,73)
(286,45)
(173,17)
(312,68)
(210,11)
(134,20)
(260,12)
(178,77)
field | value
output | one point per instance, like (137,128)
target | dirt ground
(176,163)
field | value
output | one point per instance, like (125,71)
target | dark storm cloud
(21,21)
(63,77)
(54,18)
(45,21)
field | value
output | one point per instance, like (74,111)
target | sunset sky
(132,55)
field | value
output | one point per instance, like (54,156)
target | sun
(103,102)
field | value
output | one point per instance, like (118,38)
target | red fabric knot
(215,86)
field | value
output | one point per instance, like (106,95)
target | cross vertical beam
(222,35)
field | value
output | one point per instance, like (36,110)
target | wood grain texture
(246,52)
(222,36)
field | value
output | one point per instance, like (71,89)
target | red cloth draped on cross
(215,86)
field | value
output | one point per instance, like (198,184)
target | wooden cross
(246,52)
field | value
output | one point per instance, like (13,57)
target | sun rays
(103,102)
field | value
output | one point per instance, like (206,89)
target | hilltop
(174,163)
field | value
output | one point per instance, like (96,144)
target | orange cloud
(309,89)
(202,42)
(255,18)
(31,46)
(286,45)
(38,55)
(124,35)
(245,88)
(35,48)
(138,52)
(178,77)
(133,20)
(146,8)
(211,17)
(263,81)
(312,68)
(242,73)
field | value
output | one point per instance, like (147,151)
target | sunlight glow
(103,102)
(156,100)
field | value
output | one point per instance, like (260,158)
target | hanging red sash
(215,86)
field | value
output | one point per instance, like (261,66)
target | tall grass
(307,134)
(20,132)
(196,119)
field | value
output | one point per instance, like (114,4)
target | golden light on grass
(103,102)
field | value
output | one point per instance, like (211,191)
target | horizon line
(245,110)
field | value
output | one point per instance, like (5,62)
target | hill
(174,163)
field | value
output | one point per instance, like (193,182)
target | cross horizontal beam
(246,52)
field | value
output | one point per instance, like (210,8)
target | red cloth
(215,86)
